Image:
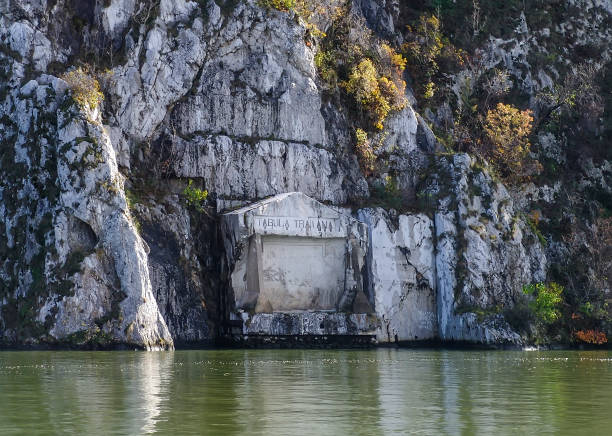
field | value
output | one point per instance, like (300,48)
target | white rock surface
(482,259)
(89,219)
(402,275)
(235,169)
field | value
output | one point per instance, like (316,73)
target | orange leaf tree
(507,131)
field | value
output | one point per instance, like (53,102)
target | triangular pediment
(290,214)
(289,204)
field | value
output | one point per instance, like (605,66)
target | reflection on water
(298,392)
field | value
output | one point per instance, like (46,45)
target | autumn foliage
(364,151)
(376,94)
(507,130)
(85,88)
(591,337)
(429,54)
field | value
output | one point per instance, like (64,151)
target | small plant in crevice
(533,220)
(365,151)
(85,88)
(281,5)
(132,199)
(194,197)
(388,195)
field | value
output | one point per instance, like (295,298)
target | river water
(306,392)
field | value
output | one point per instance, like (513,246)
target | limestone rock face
(103,244)
(237,169)
(236,99)
(79,255)
(231,90)
(380,15)
(184,286)
(248,90)
(408,142)
(402,275)
(309,323)
(451,277)
(483,255)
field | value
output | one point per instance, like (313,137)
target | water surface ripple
(306,392)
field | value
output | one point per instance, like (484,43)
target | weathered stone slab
(299,226)
(289,254)
(301,273)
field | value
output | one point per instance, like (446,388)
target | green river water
(306,392)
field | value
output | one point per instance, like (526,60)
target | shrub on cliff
(578,92)
(85,88)
(546,301)
(351,58)
(595,337)
(429,54)
(376,95)
(281,5)
(195,197)
(365,151)
(355,65)
(507,131)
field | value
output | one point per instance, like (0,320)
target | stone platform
(308,323)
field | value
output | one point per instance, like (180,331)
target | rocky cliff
(128,126)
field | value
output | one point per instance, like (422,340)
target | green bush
(389,195)
(281,5)
(195,197)
(546,302)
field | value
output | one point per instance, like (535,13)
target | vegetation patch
(281,5)
(388,196)
(533,220)
(594,337)
(95,338)
(546,301)
(377,95)
(431,57)
(480,312)
(85,88)
(194,197)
